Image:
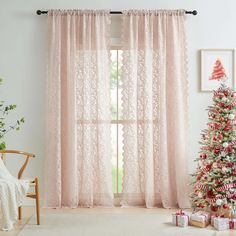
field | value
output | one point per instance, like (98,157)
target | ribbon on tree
(202,187)
(205,169)
(226,186)
(221,165)
(234,141)
(234,103)
(212,200)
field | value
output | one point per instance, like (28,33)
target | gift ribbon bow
(231,224)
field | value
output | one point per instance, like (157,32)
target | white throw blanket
(12,192)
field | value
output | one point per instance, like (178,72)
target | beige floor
(28,212)
(30,221)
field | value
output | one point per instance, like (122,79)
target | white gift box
(200,216)
(212,219)
(224,223)
(180,219)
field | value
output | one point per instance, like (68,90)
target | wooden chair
(33,182)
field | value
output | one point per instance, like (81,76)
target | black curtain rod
(39,12)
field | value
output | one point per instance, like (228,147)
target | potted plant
(4,127)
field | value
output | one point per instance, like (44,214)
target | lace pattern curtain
(155,104)
(78,171)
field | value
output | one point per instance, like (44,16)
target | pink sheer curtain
(155,108)
(78,161)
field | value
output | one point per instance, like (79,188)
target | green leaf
(2,146)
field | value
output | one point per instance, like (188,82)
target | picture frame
(217,66)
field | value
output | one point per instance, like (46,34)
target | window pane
(120,157)
(119,84)
(113,84)
(114,156)
(117,144)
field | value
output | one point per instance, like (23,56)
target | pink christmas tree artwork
(218,71)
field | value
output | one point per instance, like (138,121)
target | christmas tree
(214,186)
(218,71)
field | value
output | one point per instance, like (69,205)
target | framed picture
(217,66)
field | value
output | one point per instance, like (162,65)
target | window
(116,124)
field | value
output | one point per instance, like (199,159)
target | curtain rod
(194,12)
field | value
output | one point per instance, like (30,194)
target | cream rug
(121,223)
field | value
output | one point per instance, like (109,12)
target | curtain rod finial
(38,12)
(194,12)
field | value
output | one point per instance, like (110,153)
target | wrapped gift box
(224,223)
(180,219)
(216,216)
(212,219)
(200,219)
(198,223)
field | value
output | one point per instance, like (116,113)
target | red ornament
(222,105)
(222,118)
(218,181)
(227,128)
(226,93)
(225,206)
(230,164)
(210,194)
(217,151)
(208,167)
(230,148)
(220,136)
(213,208)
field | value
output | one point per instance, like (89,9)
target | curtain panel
(155,108)
(78,161)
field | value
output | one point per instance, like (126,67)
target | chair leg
(37,200)
(19,213)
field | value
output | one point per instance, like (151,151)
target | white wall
(23,60)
